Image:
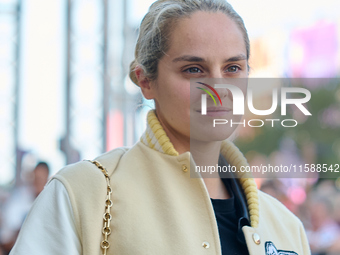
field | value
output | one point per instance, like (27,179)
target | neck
(180,141)
(205,155)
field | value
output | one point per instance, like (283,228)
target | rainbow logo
(212,89)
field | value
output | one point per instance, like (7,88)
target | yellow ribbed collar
(156,138)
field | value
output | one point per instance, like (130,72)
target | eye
(193,70)
(233,69)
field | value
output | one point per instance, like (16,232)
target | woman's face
(205,45)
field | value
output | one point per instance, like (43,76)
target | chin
(202,129)
(211,135)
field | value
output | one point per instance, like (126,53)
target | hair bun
(132,73)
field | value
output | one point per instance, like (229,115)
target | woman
(152,203)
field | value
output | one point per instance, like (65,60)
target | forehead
(207,33)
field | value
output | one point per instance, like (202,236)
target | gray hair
(153,39)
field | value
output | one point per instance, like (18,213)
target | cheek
(173,91)
(195,97)
(177,93)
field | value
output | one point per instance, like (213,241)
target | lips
(217,111)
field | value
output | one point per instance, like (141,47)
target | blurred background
(65,96)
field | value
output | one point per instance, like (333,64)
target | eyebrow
(190,58)
(236,58)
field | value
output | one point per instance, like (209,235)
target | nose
(217,77)
(222,92)
(218,93)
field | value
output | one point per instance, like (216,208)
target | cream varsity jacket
(159,209)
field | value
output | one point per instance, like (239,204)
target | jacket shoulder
(86,184)
(282,226)
(273,209)
(84,171)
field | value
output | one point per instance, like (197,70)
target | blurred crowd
(15,205)
(318,207)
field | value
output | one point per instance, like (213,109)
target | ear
(144,83)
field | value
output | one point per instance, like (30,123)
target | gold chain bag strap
(108,204)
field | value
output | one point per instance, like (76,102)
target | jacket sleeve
(49,227)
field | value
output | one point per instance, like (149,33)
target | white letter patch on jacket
(271,250)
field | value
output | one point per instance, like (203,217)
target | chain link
(105,244)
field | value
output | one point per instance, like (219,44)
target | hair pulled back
(155,30)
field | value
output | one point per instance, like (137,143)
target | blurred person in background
(324,232)
(40,177)
(273,187)
(19,203)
